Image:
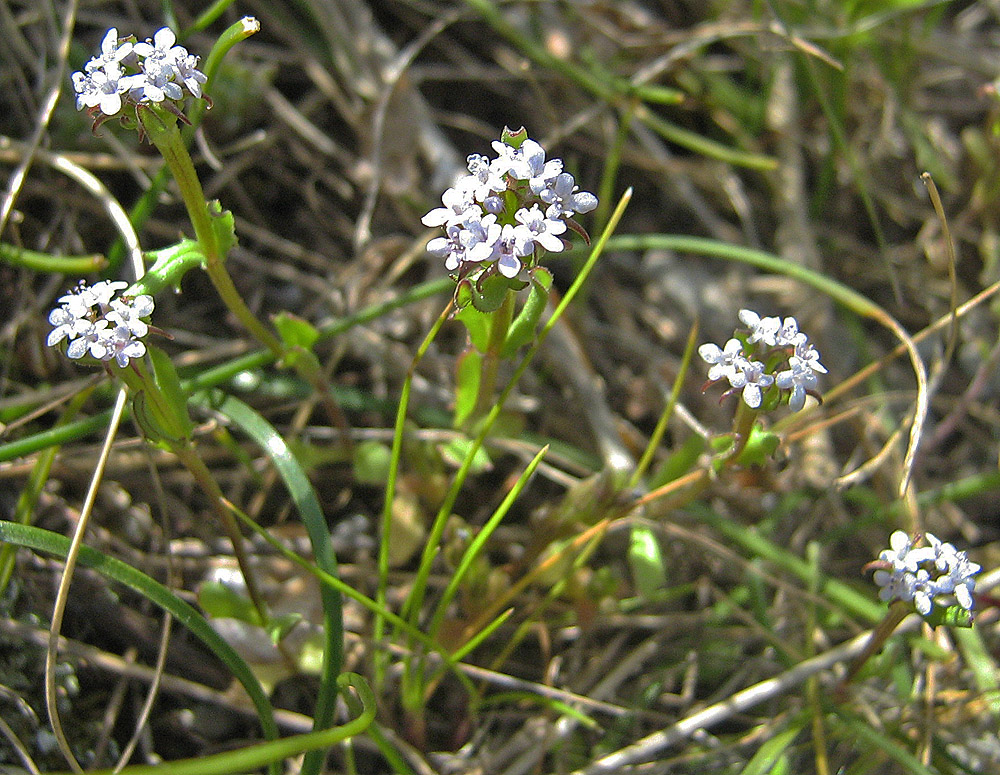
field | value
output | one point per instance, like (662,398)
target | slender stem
(196,466)
(162,130)
(500,321)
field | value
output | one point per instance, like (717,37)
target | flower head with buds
(771,351)
(922,574)
(93,321)
(130,74)
(506,211)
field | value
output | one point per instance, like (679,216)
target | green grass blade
(301,491)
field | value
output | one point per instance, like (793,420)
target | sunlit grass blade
(475,548)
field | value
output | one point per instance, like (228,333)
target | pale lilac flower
(102,88)
(563,198)
(512,247)
(920,575)
(120,344)
(93,321)
(535,227)
(154,83)
(532,166)
(101,293)
(161,47)
(958,571)
(449,247)
(483,179)
(789,334)
(67,324)
(89,338)
(187,70)
(481,238)
(800,377)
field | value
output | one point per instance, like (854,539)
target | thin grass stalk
(390,488)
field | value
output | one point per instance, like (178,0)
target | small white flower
(128,314)
(67,325)
(789,334)
(756,381)
(111,52)
(102,292)
(725,363)
(102,88)
(90,338)
(533,167)
(154,83)
(920,575)
(761,329)
(459,206)
(449,247)
(535,227)
(161,47)
(187,70)
(481,238)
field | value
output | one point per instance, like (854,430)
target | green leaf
(513,137)
(760,447)
(220,601)
(166,379)
(467,384)
(280,626)
(950,616)
(646,562)
(523,328)
(455,451)
(295,331)
(476,323)
(371,462)
(679,462)
(224,226)
(488,295)
(169,266)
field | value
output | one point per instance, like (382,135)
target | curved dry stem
(62,594)
(95,188)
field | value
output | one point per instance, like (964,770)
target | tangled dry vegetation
(801,130)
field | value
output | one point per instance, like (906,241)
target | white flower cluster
(922,574)
(742,363)
(152,71)
(92,320)
(482,228)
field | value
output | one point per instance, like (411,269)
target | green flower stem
(500,321)
(163,132)
(742,428)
